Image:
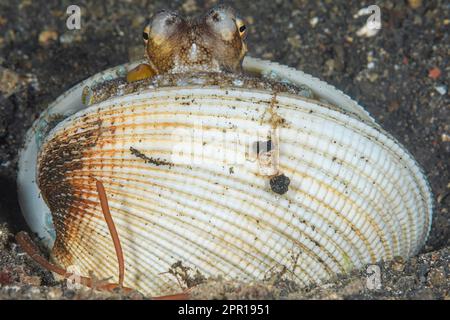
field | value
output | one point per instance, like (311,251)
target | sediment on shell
(117,87)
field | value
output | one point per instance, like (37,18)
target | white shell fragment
(186,184)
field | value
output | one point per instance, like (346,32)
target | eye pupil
(216,17)
(242,29)
(145,35)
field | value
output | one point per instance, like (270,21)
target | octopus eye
(223,22)
(162,26)
(146,34)
(241,27)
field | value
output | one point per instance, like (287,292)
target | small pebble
(372,77)
(9,82)
(313,22)
(398,264)
(238,82)
(268,55)
(47,36)
(442,90)
(434,73)
(445,137)
(330,64)
(368,29)
(294,41)
(414,4)
(54,293)
(69,37)
(189,6)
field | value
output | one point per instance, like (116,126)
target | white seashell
(184,183)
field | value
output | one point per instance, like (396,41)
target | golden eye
(146,34)
(241,27)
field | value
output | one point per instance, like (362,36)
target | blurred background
(399,73)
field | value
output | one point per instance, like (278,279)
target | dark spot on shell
(280,184)
(156,162)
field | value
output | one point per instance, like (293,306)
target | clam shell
(185,184)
